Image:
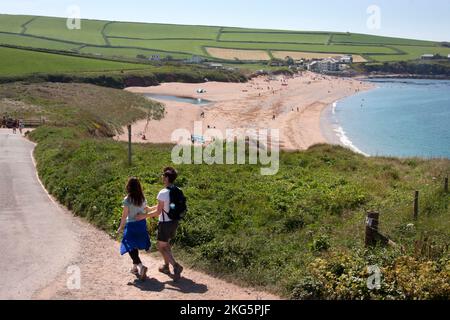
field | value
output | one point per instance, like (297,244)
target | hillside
(124,40)
(299,233)
(24,62)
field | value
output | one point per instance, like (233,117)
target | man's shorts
(167,231)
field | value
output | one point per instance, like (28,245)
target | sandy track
(105,275)
(41,240)
(252,106)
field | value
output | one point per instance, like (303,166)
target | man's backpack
(178,207)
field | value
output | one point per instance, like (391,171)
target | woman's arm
(154,212)
(123,220)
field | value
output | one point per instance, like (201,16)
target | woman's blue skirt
(135,236)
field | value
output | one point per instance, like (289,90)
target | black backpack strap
(164,211)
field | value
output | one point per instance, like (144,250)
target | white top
(164,195)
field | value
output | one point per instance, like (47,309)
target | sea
(399,118)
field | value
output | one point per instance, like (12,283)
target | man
(166,228)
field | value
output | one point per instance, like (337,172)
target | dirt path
(43,246)
(105,275)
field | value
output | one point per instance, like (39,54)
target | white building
(326,65)
(347,59)
(313,66)
(427,56)
(155,57)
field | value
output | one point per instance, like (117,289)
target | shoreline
(294,105)
(331,129)
(334,133)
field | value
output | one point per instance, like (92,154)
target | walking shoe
(134,271)
(165,269)
(143,273)
(177,270)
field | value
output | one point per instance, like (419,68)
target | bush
(346,276)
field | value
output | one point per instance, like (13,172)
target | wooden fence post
(416,205)
(372,222)
(129,145)
(446,184)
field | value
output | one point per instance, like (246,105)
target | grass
(296,233)
(261,231)
(91,108)
(56,28)
(412,53)
(23,62)
(276,37)
(13,23)
(31,42)
(160,31)
(181,46)
(183,40)
(368,39)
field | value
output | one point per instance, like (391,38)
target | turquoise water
(402,118)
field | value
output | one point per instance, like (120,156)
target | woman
(135,234)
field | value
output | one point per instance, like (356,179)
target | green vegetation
(96,110)
(160,31)
(355,38)
(31,42)
(299,233)
(430,68)
(13,23)
(34,66)
(123,39)
(276,37)
(90,32)
(24,62)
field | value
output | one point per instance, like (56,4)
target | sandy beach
(292,105)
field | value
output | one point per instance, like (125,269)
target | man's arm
(154,212)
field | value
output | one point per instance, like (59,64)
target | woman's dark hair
(171,174)
(135,193)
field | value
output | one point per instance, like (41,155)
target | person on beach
(167,227)
(135,234)
(21,126)
(15,126)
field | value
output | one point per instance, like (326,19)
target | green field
(276,37)
(13,24)
(90,32)
(24,62)
(180,41)
(299,234)
(160,31)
